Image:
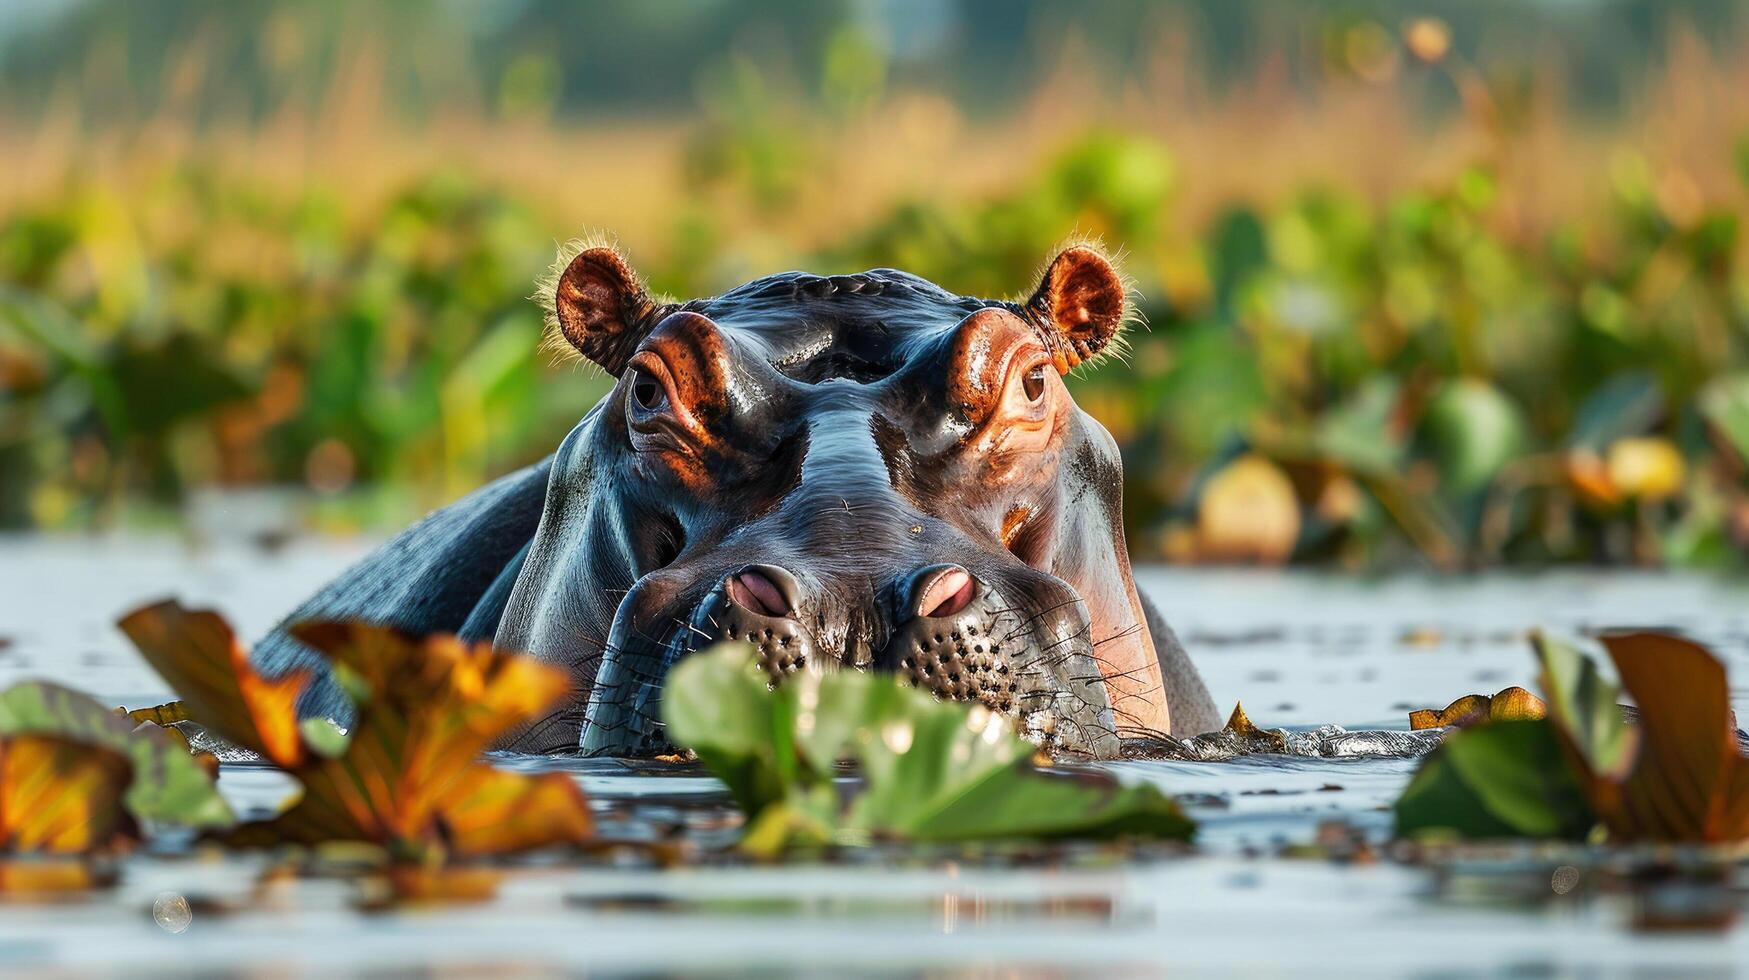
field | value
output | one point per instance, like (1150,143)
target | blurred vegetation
(1496,330)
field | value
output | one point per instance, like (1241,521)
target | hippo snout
(758,605)
(951,640)
(1020,646)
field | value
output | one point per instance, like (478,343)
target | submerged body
(862,472)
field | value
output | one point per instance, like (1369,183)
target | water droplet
(1565,879)
(172,912)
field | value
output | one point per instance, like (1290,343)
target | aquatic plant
(408,776)
(929,770)
(1675,773)
(1422,378)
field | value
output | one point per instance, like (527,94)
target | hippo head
(847,472)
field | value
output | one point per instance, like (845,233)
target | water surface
(1301,650)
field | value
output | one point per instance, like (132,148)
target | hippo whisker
(1118,636)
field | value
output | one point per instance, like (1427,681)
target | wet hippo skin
(848,472)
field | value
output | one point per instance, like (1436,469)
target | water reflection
(949,911)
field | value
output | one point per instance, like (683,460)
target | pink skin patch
(754,592)
(948,593)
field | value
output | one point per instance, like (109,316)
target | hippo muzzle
(1024,649)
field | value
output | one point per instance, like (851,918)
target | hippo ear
(601,307)
(1079,305)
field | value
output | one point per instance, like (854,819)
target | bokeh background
(1446,283)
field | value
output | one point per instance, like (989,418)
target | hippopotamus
(863,471)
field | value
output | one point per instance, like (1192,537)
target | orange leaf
(1465,710)
(196,652)
(163,715)
(410,772)
(32,876)
(401,884)
(61,797)
(502,812)
(1516,704)
(1689,782)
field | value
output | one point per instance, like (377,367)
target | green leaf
(1584,704)
(1502,779)
(323,737)
(1473,429)
(167,383)
(719,705)
(1725,404)
(169,785)
(1358,432)
(1626,405)
(932,770)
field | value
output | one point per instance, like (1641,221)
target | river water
(1301,650)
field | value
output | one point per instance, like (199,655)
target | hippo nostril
(943,591)
(764,589)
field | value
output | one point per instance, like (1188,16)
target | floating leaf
(196,652)
(169,784)
(1676,775)
(1505,779)
(1253,738)
(61,797)
(1517,704)
(1466,708)
(410,777)
(1511,704)
(163,715)
(932,770)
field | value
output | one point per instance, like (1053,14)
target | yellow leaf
(501,812)
(1470,707)
(163,715)
(410,777)
(1516,704)
(61,797)
(196,652)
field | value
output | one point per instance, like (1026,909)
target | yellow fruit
(1646,467)
(1248,512)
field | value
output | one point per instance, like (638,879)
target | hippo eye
(647,392)
(1034,383)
